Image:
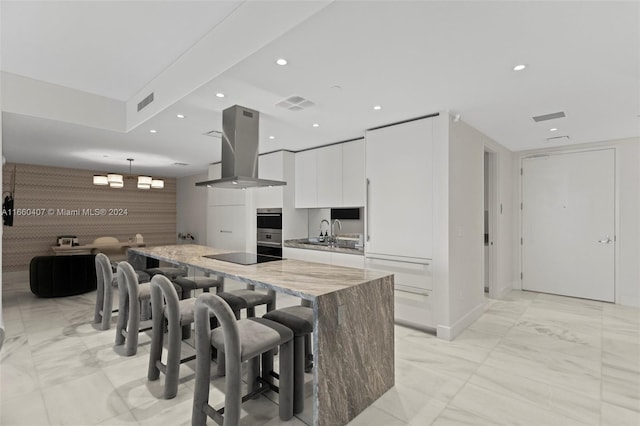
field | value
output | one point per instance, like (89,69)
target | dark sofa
(57,276)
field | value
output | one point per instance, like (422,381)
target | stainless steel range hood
(240,151)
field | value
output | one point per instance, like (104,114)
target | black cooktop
(243,258)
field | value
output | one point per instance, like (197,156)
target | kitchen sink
(339,243)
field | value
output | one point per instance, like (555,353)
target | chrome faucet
(328,225)
(333,235)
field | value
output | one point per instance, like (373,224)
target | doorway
(568,224)
(490,213)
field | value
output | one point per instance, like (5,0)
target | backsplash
(56,201)
(348,226)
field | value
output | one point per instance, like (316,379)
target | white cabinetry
(321,256)
(306,178)
(331,176)
(270,166)
(226,215)
(353,176)
(226,227)
(399,214)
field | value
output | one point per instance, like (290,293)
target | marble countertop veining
(303,243)
(303,279)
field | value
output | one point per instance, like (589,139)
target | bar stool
(178,314)
(240,341)
(300,320)
(104,295)
(132,295)
(255,298)
(189,284)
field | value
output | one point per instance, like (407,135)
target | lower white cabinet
(348,260)
(226,227)
(320,256)
(413,287)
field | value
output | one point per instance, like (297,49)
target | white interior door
(568,224)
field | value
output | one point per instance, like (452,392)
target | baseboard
(451,332)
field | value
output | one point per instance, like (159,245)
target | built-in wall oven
(269,236)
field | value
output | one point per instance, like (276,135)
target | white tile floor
(531,359)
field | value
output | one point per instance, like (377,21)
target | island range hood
(240,151)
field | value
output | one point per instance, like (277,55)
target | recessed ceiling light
(180,116)
(281,61)
(553,129)
(519,67)
(220,95)
(316,125)
(272,137)
(152,131)
(377,107)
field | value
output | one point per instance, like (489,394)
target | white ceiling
(413,58)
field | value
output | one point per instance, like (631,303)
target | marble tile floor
(531,359)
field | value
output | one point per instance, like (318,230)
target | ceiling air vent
(558,139)
(295,103)
(546,117)
(213,133)
(146,101)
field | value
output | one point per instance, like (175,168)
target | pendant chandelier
(115,180)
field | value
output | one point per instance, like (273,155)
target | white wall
(628,214)
(191,208)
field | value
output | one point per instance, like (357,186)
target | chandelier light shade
(100,180)
(144,180)
(115,180)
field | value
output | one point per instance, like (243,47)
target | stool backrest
(128,286)
(161,286)
(104,273)
(205,304)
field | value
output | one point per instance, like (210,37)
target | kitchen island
(353,322)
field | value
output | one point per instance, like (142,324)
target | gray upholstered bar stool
(104,296)
(189,284)
(255,298)
(242,340)
(300,320)
(179,315)
(132,297)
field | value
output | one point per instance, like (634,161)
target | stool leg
(123,318)
(201,387)
(285,399)
(253,371)
(155,351)
(267,366)
(173,359)
(251,312)
(221,364)
(298,374)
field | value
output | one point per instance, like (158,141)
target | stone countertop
(303,243)
(303,279)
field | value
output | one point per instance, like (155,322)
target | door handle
(367,208)
(607,241)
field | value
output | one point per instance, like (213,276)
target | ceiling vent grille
(558,139)
(146,101)
(295,103)
(551,116)
(213,133)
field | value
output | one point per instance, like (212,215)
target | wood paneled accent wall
(57,201)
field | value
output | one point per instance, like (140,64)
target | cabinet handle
(226,232)
(367,207)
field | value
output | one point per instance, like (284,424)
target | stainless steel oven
(269,236)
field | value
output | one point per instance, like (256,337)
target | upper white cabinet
(399,211)
(305,175)
(353,176)
(331,176)
(270,166)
